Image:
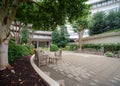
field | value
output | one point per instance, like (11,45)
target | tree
(60,36)
(79,26)
(44,14)
(101,22)
(112,20)
(25,35)
(98,23)
(16,31)
(63,36)
(55,37)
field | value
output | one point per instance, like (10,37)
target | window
(110,2)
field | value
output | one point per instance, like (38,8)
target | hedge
(107,47)
(95,46)
(72,47)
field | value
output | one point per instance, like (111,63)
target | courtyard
(78,69)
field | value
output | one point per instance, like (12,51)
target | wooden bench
(40,57)
(116,54)
(55,56)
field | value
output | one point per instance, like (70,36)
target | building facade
(104,5)
(37,38)
(41,38)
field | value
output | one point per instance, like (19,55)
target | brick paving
(77,69)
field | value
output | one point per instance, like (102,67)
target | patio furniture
(53,58)
(58,54)
(40,57)
(116,54)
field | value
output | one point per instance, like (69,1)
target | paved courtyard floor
(77,69)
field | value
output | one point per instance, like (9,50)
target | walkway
(77,69)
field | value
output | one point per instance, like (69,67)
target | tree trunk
(4,55)
(79,37)
(7,15)
(80,34)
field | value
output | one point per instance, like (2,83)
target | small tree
(16,31)
(63,37)
(25,35)
(60,37)
(79,26)
(55,36)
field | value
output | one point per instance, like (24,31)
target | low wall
(112,37)
(45,77)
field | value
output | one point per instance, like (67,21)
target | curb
(45,77)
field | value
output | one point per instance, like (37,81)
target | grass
(45,49)
(116,30)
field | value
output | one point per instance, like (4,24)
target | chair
(40,57)
(58,54)
(55,56)
(52,58)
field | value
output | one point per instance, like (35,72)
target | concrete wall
(112,37)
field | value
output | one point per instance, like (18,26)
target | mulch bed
(20,73)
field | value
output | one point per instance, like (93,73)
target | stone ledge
(110,34)
(45,77)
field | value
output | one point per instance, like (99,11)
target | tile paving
(77,69)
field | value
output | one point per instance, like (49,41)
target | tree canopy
(47,14)
(102,22)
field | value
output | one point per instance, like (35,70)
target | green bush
(107,47)
(54,47)
(30,48)
(111,47)
(72,47)
(67,48)
(109,54)
(15,51)
(95,46)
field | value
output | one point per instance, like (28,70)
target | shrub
(30,48)
(95,46)
(54,47)
(107,47)
(72,47)
(109,54)
(111,47)
(67,47)
(16,50)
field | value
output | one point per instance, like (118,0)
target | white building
(41,38)
(104,5)
(38,38)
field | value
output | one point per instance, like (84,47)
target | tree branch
(13,12)
(38,5)
(4,8)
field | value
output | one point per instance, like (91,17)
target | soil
(20,73)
